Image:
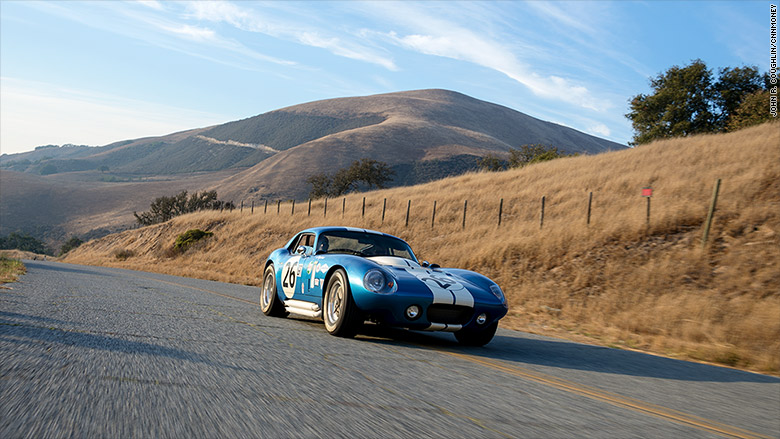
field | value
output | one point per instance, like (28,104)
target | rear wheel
(270,303)
(477,337)
(341,316)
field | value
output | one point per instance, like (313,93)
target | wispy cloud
(161,30)
(432,35)
(307,34)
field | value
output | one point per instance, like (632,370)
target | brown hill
(423,135)
(436,126)
(618,281)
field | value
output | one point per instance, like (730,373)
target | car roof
(318,230)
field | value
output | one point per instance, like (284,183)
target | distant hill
(423,135)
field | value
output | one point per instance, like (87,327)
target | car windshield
(363,244)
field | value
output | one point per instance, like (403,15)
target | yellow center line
(571,387)
(612,398)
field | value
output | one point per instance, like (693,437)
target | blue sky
(102,71)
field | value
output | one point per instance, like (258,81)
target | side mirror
(304,250)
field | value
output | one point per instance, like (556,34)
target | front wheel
(477,337)
(341,316)
(270,303)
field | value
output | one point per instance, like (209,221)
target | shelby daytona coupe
(347,276)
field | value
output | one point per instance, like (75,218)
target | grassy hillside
(618,282)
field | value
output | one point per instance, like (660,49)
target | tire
(270,303)
(340,314)
(479,337)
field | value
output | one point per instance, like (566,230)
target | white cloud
(153,4)
(302,33)
(432,35)
(191,32)
(600,130)
(36,114)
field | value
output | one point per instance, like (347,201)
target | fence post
(325,210)
(500,211)
(465,205)
(433,216)
(253,207)
(265,209)
(710,214)
(292,212)
(408,207)
(647,218)
(541,216)
(278,206)
(242,206)
(384,206)
(590,202)
(343,205)
(309,213)
(363,214)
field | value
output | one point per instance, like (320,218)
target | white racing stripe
(445,288)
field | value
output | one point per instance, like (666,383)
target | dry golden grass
(617,282)
(10,270)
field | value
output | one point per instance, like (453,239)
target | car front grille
(449,314)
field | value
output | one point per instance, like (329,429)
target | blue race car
(347,276)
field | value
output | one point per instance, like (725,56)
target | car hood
(446,286)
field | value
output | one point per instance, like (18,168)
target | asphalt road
(99,352)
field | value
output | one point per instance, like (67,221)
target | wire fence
(428,212)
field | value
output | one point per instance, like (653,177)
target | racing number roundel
(289,275)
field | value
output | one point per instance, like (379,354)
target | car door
(294,275)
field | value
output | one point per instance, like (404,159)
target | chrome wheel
(341,316)
(335,301)
(268,291)
(269,301)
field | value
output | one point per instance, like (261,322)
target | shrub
(123,254)
(70,245)
(186,239)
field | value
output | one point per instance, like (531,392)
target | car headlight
(377,281)
(496,290)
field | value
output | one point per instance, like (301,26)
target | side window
(305,239)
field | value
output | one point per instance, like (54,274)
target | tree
(70,244)
(525,155)
(24,243)
(164,208)
(733,86)
(371,173)
(320,185)
(680,105)
(688,100)
(753,110)
(491,163)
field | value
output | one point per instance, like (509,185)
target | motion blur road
(100,352)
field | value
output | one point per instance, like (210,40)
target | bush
(523,156)
(26,243)
(123,254)
(186,239)
(70,245)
